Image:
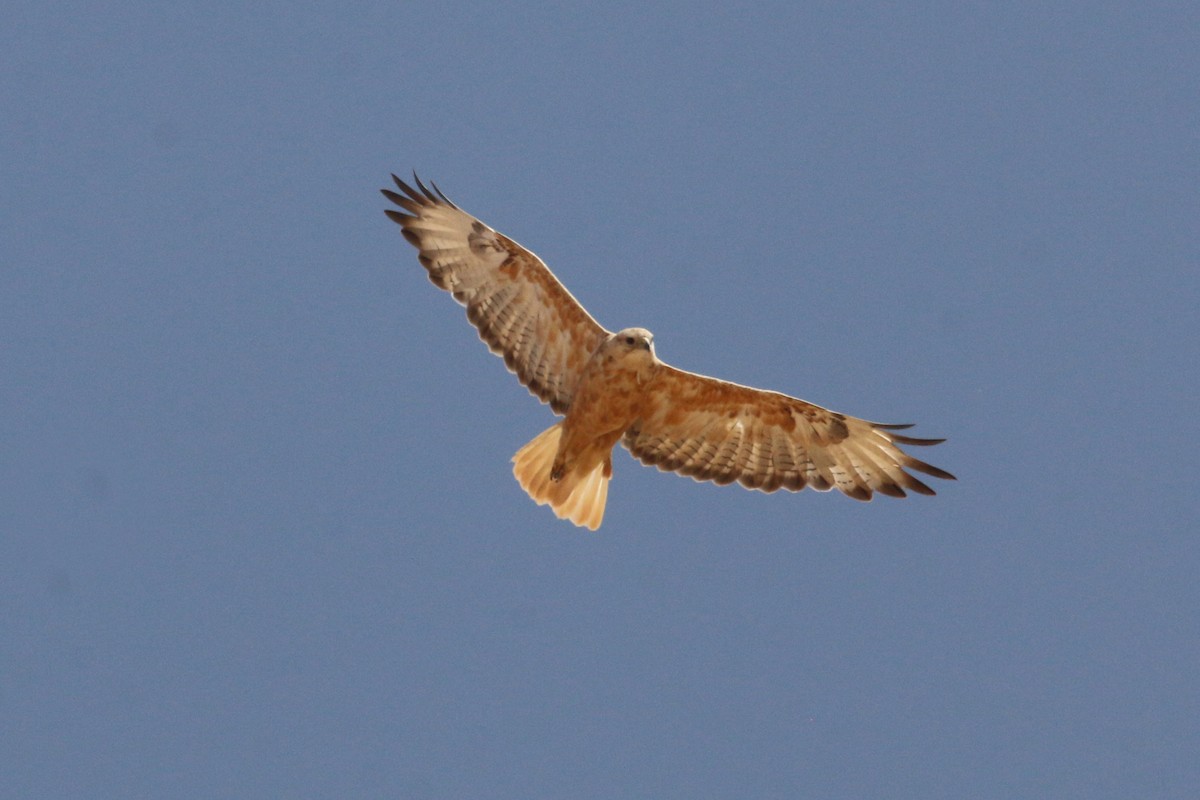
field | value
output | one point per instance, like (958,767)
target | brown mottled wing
(521,310)
(716,431)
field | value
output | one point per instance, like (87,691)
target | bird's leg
(558,469)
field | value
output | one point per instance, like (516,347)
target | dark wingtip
(858,493)
(442,195)
(425,189)
(895,437)
(404,187)
(422,194)
(929,469)
(917,486)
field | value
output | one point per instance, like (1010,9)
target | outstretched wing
(717,431)
(521,310)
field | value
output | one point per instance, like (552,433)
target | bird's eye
(628,340)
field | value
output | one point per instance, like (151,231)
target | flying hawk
(611,387)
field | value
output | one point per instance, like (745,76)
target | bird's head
(634,346)
(633,339)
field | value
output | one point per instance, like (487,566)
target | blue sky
(258,532)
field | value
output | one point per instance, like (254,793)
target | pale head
(632,340)
(632,347)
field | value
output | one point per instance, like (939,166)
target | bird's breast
(609,398)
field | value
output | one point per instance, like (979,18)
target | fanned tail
(579,497)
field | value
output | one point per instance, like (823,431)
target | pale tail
(577,497)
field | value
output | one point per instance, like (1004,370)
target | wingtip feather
(928,469)
(404,187)
(912,440)
(425,189)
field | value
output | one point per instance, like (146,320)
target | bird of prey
(611,387)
